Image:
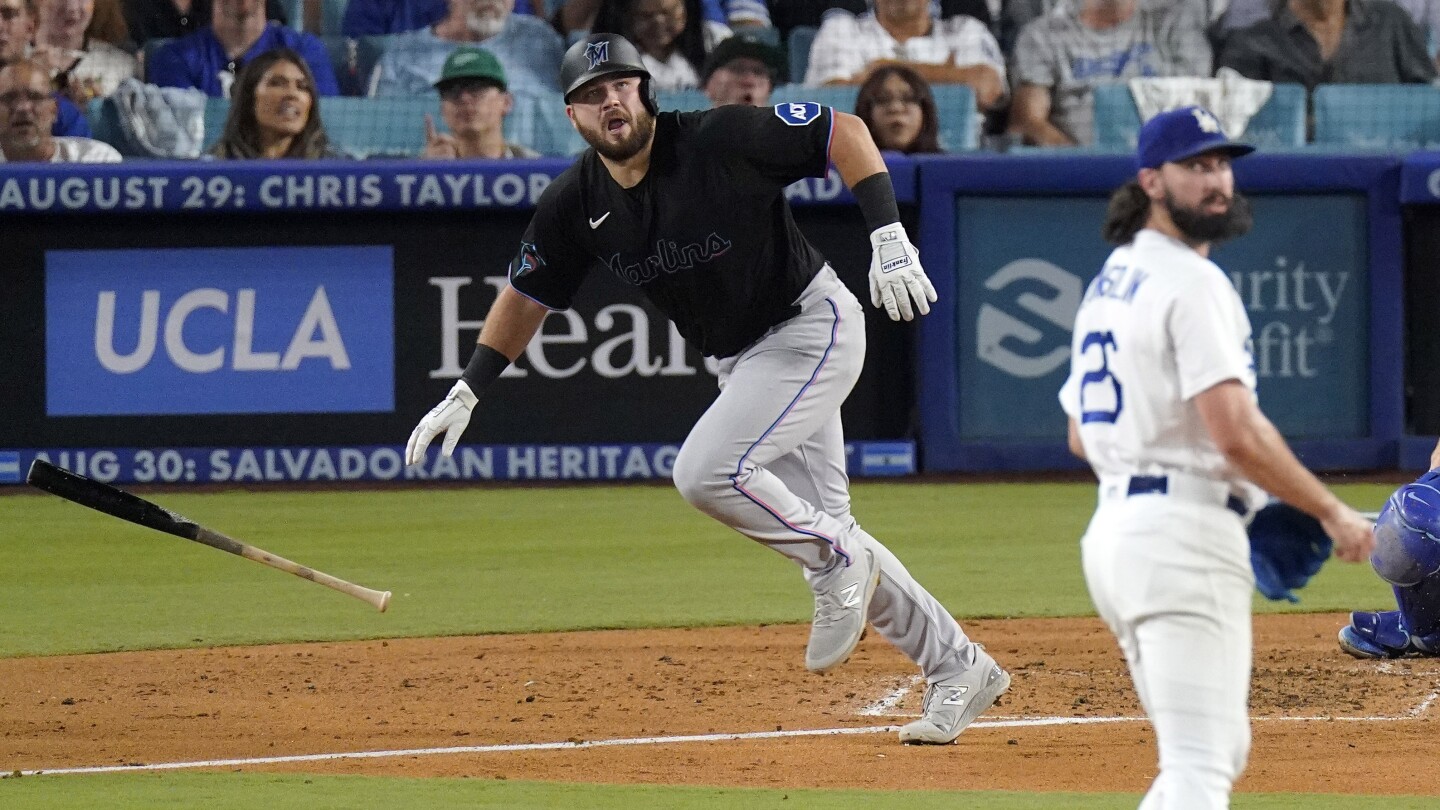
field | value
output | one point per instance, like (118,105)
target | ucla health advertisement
(1301,273)
(219,331)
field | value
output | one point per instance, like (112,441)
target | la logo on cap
(1205,120)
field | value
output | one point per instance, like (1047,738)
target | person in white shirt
(957,50)
(1161,402)
(27,112)
(65,40)
(673,36)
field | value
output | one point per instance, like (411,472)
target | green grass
(215,791)
(519,559)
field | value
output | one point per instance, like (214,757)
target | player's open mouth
(614,125)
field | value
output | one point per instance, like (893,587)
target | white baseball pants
(1171,577)
(768,460)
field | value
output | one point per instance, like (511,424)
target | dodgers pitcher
(1161,402)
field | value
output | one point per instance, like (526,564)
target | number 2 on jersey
(1101,376)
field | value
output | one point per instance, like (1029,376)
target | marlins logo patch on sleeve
(529,260)
(797,113)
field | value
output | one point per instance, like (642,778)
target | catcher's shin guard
(1383,634)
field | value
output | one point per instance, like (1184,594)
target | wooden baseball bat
(119,503)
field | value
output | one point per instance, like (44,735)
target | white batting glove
(449,417)
(896,277)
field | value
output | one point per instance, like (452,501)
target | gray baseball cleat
(950,706)
(842,603)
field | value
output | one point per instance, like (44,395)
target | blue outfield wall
(1009,241)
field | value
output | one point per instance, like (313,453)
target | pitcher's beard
(1202,227)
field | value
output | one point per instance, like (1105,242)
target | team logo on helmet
(598,53)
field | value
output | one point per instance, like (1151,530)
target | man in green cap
(474,100)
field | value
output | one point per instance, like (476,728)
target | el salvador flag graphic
(9,467)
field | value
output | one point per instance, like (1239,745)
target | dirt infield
(1323,722)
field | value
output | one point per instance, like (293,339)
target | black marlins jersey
(707,234)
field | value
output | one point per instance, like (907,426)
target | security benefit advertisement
(1301,273)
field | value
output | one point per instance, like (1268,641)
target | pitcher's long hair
(1127,213)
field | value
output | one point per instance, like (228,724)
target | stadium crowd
(1031,67)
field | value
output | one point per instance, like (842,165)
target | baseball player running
(1407,555)
(690,208)
(1161,402)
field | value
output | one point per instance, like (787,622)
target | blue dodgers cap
(1176,135)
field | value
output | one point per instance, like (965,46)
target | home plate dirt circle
(716,706)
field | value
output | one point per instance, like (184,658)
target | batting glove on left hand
(449,417)
(896,277)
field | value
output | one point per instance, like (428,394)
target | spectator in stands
(1314,42)
(17,27)
(958,50)
(375,17)
(787,15)
(1060,57)
(474,100)
(210,58)
(527,46)
(274,112)
(673,37)
(27,116)
(575,18)
(743,69)
(169,19)
(80,41)
(899,110)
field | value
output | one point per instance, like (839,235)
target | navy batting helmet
(602,55)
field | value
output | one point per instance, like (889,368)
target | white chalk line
(998,722)
(884,705)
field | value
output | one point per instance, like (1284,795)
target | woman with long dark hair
(274,112)
(897,106)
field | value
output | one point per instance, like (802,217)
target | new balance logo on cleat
(851,594)
(957,697)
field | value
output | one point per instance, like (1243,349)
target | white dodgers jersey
(1157,326)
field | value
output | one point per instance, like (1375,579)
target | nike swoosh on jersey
(595,223)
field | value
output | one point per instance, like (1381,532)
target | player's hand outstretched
(896,277)
(449,417)
(1354,536)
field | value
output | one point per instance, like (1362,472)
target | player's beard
(1199,226)
(642,127)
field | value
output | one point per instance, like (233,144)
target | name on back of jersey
(1118,282)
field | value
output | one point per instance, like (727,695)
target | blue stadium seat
(1377,116)
(216,111)
(332,16)
(538,121)
(104,121)
(683,100)
(344,56)
(147,52)
(369,49)
(1279,124)
(394,125)
(797,46)
(294,14)
(955,103)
